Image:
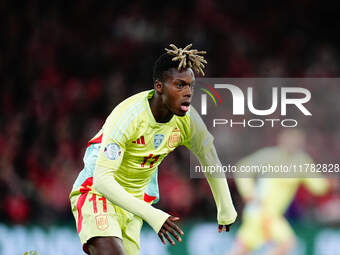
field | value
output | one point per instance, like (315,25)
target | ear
(158,85)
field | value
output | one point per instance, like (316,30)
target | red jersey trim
(95,140)
(84,190)
(148,198)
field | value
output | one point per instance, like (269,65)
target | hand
(222,228)
(170,227)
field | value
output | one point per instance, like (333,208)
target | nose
(188,91)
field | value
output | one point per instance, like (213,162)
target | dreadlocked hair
(180,59)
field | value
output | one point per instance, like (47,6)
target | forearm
(104,183)
(201,144)
(226,213)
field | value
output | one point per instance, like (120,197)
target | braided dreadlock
(185,57)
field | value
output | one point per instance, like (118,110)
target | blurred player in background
(113,193)
(267,199)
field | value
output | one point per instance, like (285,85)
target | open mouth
(185,106)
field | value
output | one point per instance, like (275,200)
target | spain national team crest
(174,138)
(157,140)
(102,222)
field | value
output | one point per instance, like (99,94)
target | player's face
(177,90)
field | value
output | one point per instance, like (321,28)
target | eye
(180,85)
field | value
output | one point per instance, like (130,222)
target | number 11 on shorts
(93,199)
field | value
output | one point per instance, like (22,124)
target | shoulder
(135,101)
(131,106)
(183,122)
(126,117)
(191,116)
(193,128)
(267,152)
(304,157)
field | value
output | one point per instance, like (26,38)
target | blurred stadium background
(65,64)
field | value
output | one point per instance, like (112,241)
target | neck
(160,112)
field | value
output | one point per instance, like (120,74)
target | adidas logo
(140,140)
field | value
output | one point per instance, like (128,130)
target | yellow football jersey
(129,148)
(134,144)
(263,217)
(275,194)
